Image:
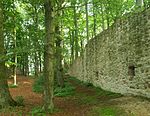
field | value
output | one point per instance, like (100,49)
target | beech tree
(5,97)
(49,54)
(58,46)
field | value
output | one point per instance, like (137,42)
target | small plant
(12,86)
(37,110)
(108,111)
(67,90)
(20,100)
(38,85)
(101,92)
(88,100)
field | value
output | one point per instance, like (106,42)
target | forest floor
(87,101)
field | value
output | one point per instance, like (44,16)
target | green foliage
(38,85)
(38,110)
(9,64)
(88,100)
(11,110)
(19,100)
(12,86)
(98,94)
(108,111)
(74,79)
(67,90)
(101,92)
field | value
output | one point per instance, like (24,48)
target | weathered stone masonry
(118,59)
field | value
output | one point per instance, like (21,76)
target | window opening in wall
(131,70)
(96,73)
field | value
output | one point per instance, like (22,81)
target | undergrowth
(108,111)
(98,95)
(67,90)
(39,111)
(19,100)
(12,86)
(87,100)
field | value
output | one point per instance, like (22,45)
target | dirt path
(82,103)
(24,89)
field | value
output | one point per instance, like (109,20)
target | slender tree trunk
(36,45)
(26,63)
(5,97)
(40,61)
(107,7)
(36,65)
(15,59)
(103,20)
(49,55)
(94,18)
(87,20)
(72,46)
(59,68)
(76,32)
(81,42)
(15,46)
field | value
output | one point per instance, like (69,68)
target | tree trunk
(36,65)
(5,97)
(14,45)
(103,20)
(87,20)
(59,68)
(15,58)
(36,44)
(139,2)
(26,64)
(94,19)
(40,61)
(76,31)
(72,45)
(49,55)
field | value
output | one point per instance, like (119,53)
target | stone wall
(118,59)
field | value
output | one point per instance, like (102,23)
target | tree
(49,55)
(14,45)
(58,41)
(75,29)
(5,97)
(87,20)
(139,2)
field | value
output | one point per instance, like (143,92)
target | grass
(101,92)
(12,86)
(107,111)
(86,100)
(98,96)
(98,90)
(19,100)
(11,110)
(67,90)
(39,111)
(38,85)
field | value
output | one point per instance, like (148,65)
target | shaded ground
(87,101)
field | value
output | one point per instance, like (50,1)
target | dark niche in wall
(131,70)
